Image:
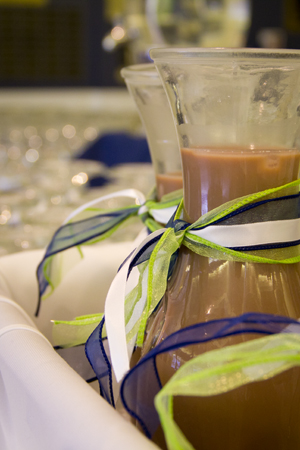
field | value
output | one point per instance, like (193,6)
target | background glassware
(236,115)
(146,89)
(139,25)
(205,23)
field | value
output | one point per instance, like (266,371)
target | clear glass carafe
(146,89)
(237,118)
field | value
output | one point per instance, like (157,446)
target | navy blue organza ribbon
(77,233)
(82,231)
(277,209)
(145,373)
(96,351)
(280,208)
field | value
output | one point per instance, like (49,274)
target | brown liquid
(168,182)
(263,415)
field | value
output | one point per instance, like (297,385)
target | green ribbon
(69,333)
(59,258)
(155,272)
(219,371)
(141,301)
(214,251)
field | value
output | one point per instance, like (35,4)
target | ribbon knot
(143,210)
(230,232)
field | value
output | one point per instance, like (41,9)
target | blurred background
(69,131)
(85,43)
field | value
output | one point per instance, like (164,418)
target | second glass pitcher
(146,89)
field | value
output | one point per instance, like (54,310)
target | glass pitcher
(236,113)
(146,89)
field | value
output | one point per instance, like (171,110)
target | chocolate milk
(263,415)
(168,182)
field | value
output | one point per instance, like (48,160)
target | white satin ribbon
(114,312)
(227,236)
(163,215)
(251,234)
(128,193)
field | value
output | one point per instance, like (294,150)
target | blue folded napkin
(118,148)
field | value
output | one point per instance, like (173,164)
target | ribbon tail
(145,373)
(57,262)
(75,332)
(98,356)
(85,224)
(159,265)
(115,305)
(223,370)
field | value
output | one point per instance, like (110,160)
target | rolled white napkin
(45,404)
